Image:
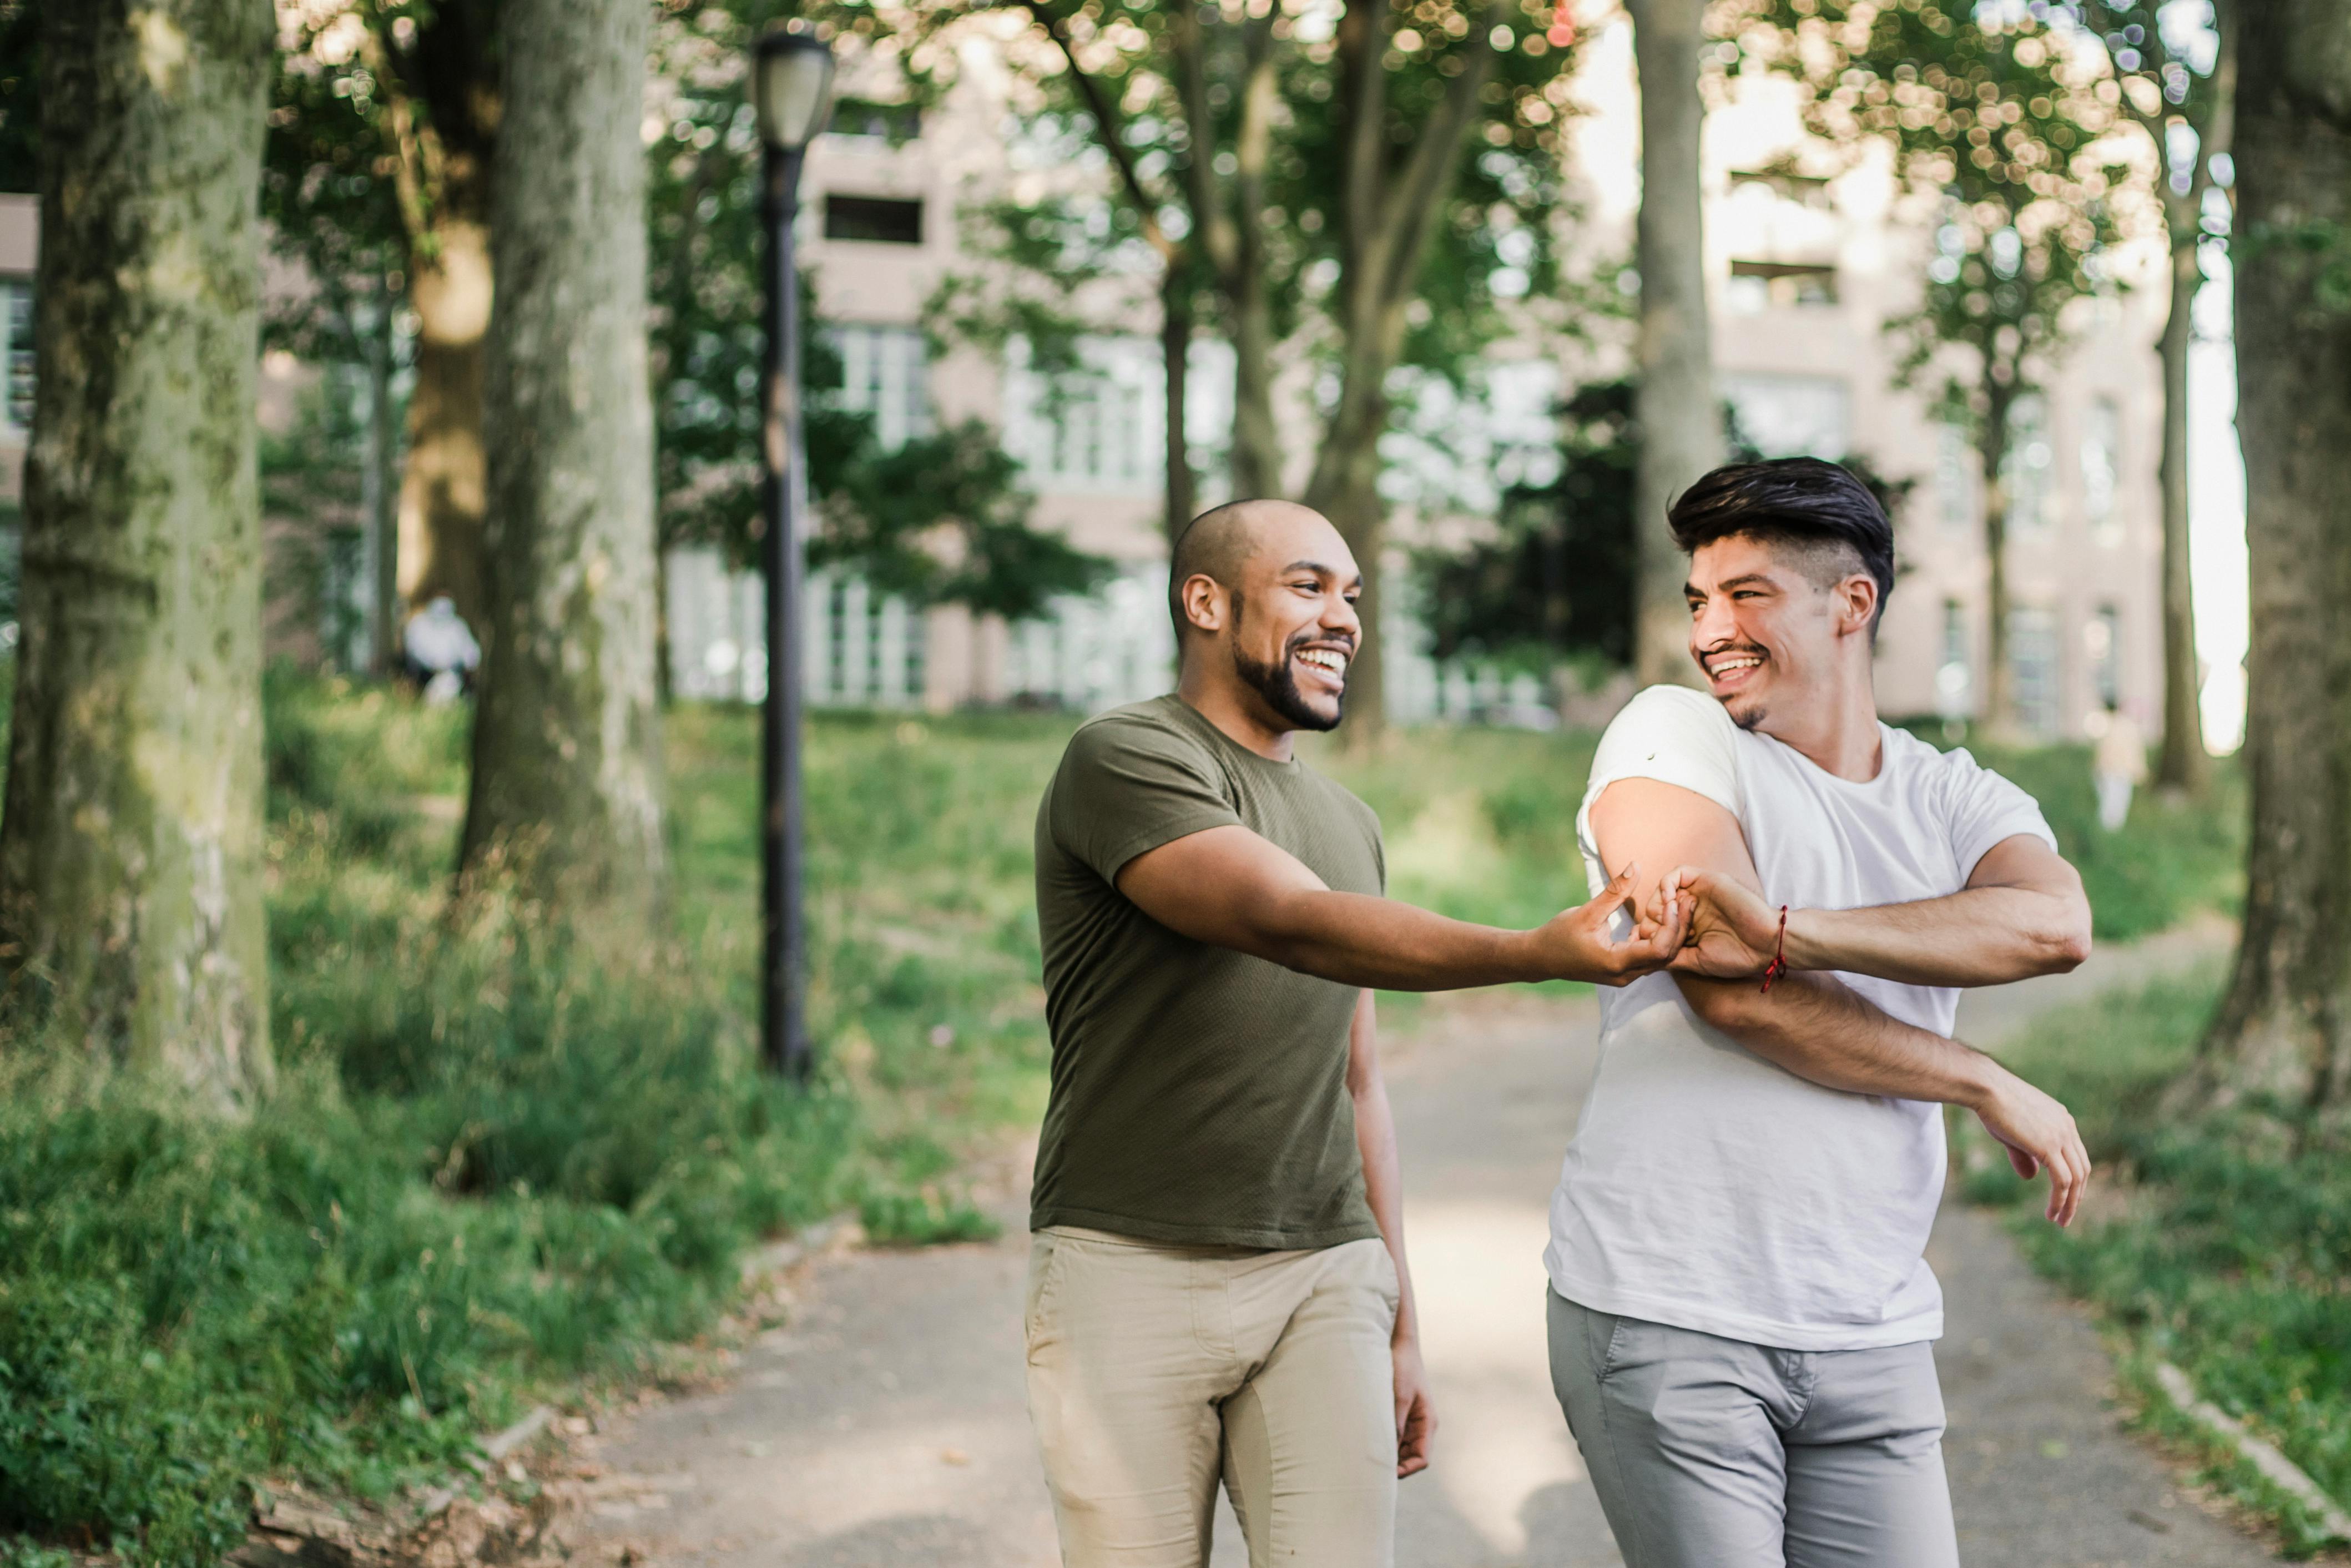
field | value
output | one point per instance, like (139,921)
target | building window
(1759,286)
(2102,644)
(16,355)
(884,372)
(865,120)
(1955,476)
(880,220)
(1096,427)
(2033,669)
(2029,466)
(2101,436)
(1791,416)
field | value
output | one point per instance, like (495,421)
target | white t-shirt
(1709,1188)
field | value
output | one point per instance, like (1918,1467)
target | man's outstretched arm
(1820,1029)
(1229,887)
(2022,914)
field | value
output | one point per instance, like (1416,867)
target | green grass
(2223,1243)
(505,1162)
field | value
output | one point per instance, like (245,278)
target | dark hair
(1819,508)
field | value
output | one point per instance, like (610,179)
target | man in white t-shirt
(1740,1312)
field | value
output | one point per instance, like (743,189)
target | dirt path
(885,1424)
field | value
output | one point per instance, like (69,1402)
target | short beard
(1277,684)
(1750,720)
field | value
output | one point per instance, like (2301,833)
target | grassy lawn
(505,1165)
(2221,1244)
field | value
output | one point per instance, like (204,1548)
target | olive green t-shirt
(1199,1095)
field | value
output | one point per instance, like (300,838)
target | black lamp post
(791,85)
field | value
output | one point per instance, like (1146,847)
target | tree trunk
(2284,1027)
(441,490)
(1345,488)
(1675,405)
(2182,765)
(381,484)
(1996,713)
(440,88)
(566,786)
(1175,363)
(1257,435)
(130,850)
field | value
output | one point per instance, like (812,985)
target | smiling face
(1282,606)
(1769,620)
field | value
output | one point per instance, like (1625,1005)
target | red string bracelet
(1779,964)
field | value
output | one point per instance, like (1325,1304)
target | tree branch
(1219,238)
(1112,128)
(1415,206)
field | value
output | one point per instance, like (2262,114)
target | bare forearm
(1819,1030)
(1380,943)
(1979,936)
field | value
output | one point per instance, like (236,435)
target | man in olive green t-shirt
(1217,1282)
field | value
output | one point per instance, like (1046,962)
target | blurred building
(1808,259)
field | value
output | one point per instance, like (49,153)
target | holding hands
(1731,933)
(1574,944)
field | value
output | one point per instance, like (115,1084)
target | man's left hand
(1416,1418)
(1733,934)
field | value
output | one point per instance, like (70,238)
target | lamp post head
(792,86)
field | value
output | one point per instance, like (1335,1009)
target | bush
(502,1157)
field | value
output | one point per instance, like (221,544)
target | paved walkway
(885,1426)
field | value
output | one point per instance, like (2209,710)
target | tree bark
(381,484)
(2182,765)
(1388,215)
(1175,364)
(1675,405)
(441,94)
(130,850)
(2285,1027)
(440,486)
(566,784)
(1997,713)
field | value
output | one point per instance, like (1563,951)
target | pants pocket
(1040,1316)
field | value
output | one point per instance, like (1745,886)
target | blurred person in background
(438,653)
(2117,766)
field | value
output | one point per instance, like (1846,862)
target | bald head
(1220,541)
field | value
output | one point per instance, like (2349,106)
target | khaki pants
(1154,1369)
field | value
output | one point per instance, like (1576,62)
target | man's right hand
(2037,1131)
(1574,944)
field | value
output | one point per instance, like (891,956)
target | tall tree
(1391,192)
(566,773)
(131,846)
(1993,123)
(384,125)
(1675,403)
(2178,83)
(438,70)
(2285,1027)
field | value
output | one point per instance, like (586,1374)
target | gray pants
(1714,1453)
